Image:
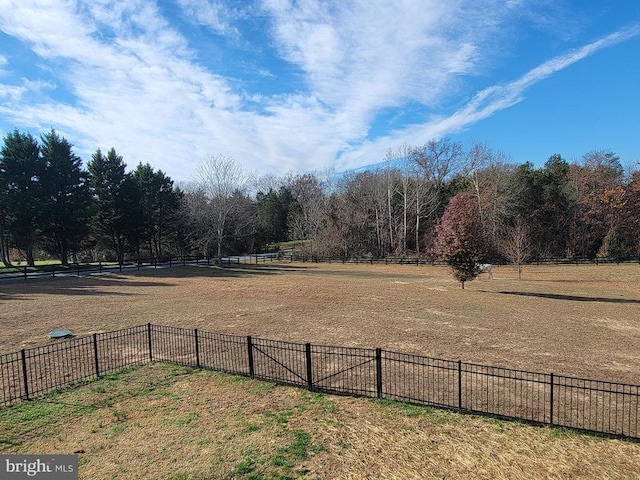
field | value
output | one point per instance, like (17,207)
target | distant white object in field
(486,268)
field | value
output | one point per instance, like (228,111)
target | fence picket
(95,354)
(307,351)
(25,376)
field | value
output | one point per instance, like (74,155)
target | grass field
(572,320)
(172,423)
(168,422)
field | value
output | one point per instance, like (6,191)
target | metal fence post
(25,377)
(95,354)
(195,336)
(250,353)
(460,384)
(379,372)
(551,400)
(307,349)
(150,342)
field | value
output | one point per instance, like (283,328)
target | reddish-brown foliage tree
(460,238)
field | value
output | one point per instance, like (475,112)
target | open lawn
(571,320)
(169,422)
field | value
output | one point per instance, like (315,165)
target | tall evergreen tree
(273,209)
(21,173)
(160,205)
(67,197)
(117,212)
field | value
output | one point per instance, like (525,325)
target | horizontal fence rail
(77,269)
(435,261)
(543,398)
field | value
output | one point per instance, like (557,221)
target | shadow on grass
(97,283)
(573,298)
(214,271)
(80,286)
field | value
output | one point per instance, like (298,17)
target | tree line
(52,206)
(583,209)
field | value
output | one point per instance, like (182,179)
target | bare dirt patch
(572,320)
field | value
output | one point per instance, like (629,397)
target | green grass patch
(319,399)
(187,419)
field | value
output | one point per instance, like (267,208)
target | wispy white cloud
(369,55)
(215,15)
(490,100)
(125,76)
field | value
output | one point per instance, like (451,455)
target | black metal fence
(543,398)
(434,261)
(77,269)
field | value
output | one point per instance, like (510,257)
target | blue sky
(297,86)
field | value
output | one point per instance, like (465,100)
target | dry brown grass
(160,423)
(163,422)
(573,320)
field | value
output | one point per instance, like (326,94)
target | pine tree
(21,173)
(117,212)
(67,197)
(160,204)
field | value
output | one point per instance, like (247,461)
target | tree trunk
(29,256)
(4,250)
(389,211)
(462,285)
(64,254)
(519,271)
(417,224)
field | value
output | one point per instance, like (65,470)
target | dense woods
(53,206)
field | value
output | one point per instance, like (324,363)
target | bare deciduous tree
(517,246)
(218,179)
(437,161)
(308,192)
